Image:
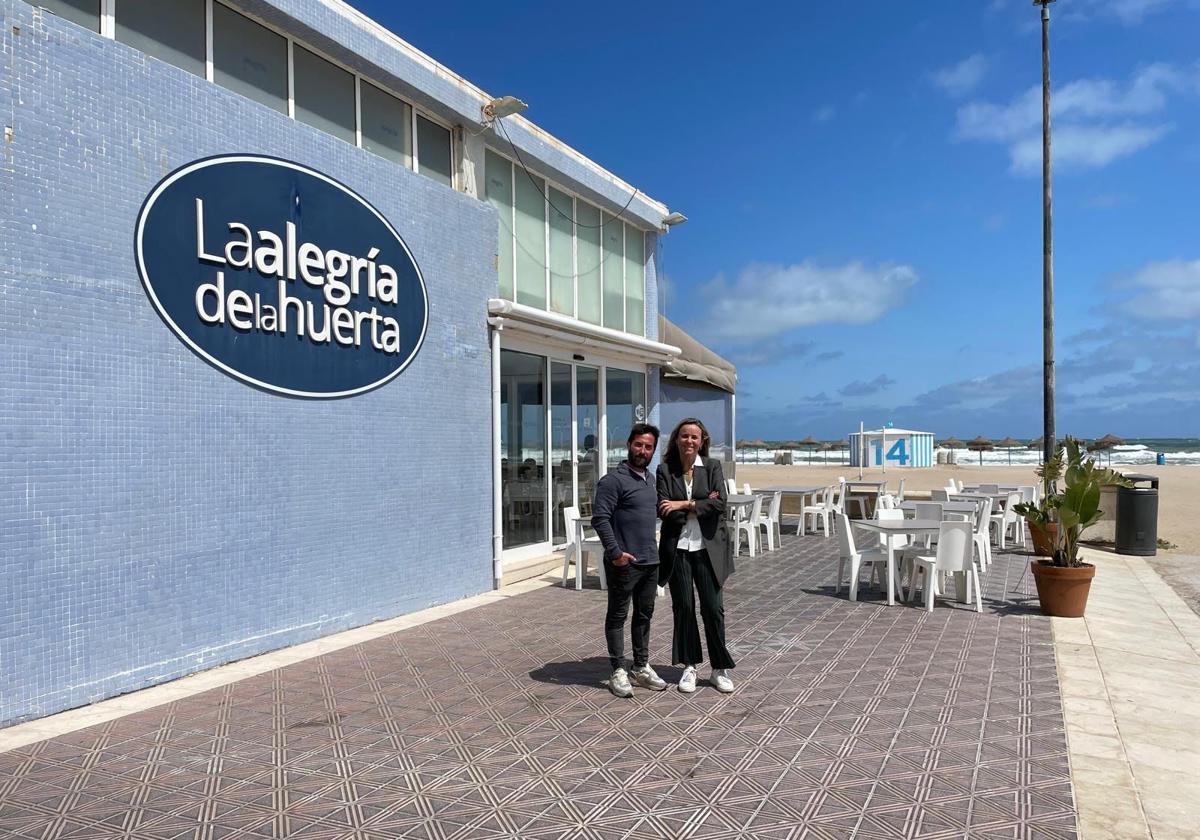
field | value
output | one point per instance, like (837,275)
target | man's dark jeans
(639,583)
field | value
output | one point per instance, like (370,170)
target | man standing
(623,514)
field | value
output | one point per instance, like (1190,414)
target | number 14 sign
(898,452)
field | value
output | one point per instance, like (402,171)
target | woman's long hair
(673,458)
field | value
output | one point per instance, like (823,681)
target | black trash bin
(1137,516)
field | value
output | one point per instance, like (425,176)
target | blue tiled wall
(157,516)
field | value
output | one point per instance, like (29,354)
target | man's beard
(639,461)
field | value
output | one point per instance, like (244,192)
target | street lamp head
(1042,3)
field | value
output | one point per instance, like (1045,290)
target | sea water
(1134,452)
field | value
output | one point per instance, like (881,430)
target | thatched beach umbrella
(951,443)
(1009,444)
(810,444)
(980,445)
(758,444)
(1105,444)
(837,446)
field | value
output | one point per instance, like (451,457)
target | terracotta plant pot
(1063,590)
(1045,538)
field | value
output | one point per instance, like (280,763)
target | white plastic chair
(746,488)
(928,510)
(958,484)
(850,553)
(900,492)
(579,552)
(770,521)
(942,495)
(826,508)
(989,488)
(749,526)
(731,487)
(1009,519)
(954,554)
(980,534)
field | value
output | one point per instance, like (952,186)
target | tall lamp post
(1048,441)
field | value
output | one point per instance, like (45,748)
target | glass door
(562,445)
(587,435)
(523,447)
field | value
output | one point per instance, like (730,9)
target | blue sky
(863,183)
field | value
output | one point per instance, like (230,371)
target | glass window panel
(249,59)
(84,12)
(562,261)
(324,94)
(587,243)
(587,415)
(171,30)
(635,281)
(531,239)
(433,151)
(499,194)
(625,405)
(614,274)
(562,487)
(386,125)
(523,447)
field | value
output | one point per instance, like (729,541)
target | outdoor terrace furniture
(891,527)
(1009,520)
(942,495)
(770,520)
(826,507)
(578,548)
(981,532)
(850,554)
(955,554)
(745,509)
(958,508)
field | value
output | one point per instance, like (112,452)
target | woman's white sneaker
(619,685)
(720,680)
(687,682)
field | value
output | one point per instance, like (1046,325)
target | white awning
(573,334)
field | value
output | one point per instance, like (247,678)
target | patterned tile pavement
(850,720)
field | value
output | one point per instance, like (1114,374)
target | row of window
(259,63)
(559,253)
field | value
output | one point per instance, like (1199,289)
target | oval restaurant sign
(281,277)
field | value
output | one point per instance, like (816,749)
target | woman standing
(692,552)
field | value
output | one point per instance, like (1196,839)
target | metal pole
(1048,443)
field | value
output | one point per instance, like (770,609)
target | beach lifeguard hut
(888,448)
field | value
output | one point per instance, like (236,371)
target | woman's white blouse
(690,539)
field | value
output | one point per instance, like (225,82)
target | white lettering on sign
(340,276)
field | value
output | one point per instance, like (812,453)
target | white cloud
(1085,146)
(824,114)
(1167,290)
(1095,121)
(767,300)
(1128,12)
(960,79)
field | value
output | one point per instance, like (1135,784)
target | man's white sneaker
(720,680)
(646,678)
(687,683)
(619,685)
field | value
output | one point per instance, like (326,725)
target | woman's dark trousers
(693,574)
(639,583)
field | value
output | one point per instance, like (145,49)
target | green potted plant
(1063,580)
(1043,527)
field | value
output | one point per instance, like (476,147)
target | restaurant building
(294,338)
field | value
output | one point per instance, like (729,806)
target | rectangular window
(386,125)
(83,12)
(562,260)
(523,447)
(323,93)
(614,273)
(250,59)
(170,30)
(499,195)
(635,281)
(433,151)
(531,239)
(587,236)
(625,404)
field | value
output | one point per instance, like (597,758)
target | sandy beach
(1179,488)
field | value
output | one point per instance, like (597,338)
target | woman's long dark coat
(706,477)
